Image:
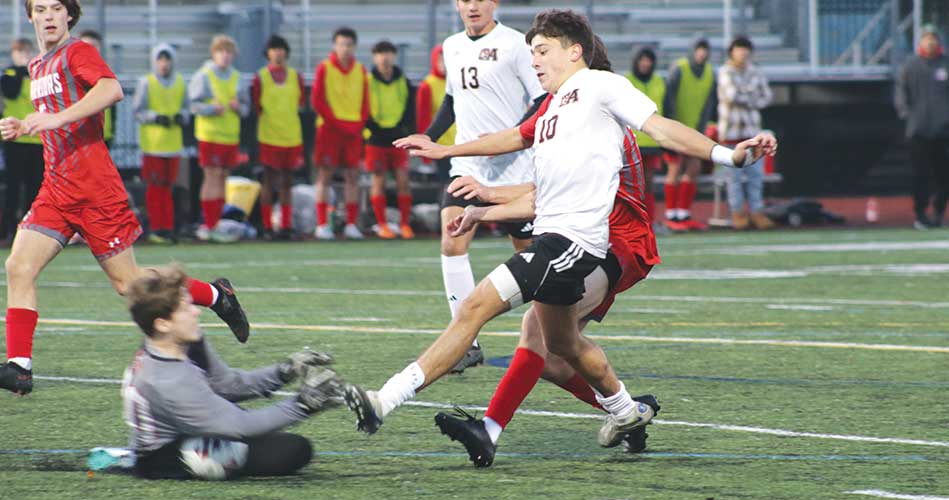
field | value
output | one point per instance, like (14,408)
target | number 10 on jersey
(548,128)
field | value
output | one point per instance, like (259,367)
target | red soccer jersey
(630,227)
(79,170)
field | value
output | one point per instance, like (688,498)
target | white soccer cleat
(324,232)
(616,428)
(351,232)
(203,233)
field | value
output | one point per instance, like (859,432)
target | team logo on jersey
(488,55)
(569,98)
(44,86)
(527,256)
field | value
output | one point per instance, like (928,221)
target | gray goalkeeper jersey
(166,399)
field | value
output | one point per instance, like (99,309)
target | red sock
(266,216)
(322,213)
(650,205)
(286,216)
(201,292)
(206,210)
(686,194)
(672,196)
(405,208)
(153,207)
(166,208)
(379,208)
(352,212)
(581,390)
(21,323)
(515,385)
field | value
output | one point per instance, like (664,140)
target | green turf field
(791,365)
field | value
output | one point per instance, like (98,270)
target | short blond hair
(223,42)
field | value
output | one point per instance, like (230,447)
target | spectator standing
(742,92)
(922,99)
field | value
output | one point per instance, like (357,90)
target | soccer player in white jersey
(578,148)
(489,87)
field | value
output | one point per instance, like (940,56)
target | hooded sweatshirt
(922,95)
(200,95)
(140,101)
(654,87)
(379,88)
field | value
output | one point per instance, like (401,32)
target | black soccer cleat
(470,432)
(16,379)
(635,441)
(474,357)
(366,407)
(229,309)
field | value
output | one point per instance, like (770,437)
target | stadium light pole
(727,29)
(307,56)
(917,20)
(432,23)
(153,22)
(17,28)
(590,11)
(812,35)
(268,19)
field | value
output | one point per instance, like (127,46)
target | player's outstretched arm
(673,135)
(105,93)
(505,141)
(469,188)
(12,128)
(519,209)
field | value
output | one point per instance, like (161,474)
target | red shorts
(671,158)
(333,149)
(159,170)
(634,269)
(380,159)
(218,155)
(281,158)
(108,229)
(652,161)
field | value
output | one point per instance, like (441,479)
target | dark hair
(567,26)
(72,8)
(600,59)
(93,34)
(155,295)
(384,46)
(277,42)
(345,32)
(21,44)
(740,41)
(701,43)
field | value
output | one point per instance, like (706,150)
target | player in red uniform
(81,191)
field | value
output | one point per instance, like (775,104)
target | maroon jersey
(79,170)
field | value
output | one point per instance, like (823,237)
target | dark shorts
(551,270)
(518,230)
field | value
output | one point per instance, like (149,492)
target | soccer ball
(213,459)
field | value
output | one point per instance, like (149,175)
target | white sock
(683,213)
(494,429)
(214,295)
(671,213)
(401,388)
(459,281)
(25,363)
(618,404)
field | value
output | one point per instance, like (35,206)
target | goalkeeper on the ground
(179,396)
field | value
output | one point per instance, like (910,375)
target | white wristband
(723,156)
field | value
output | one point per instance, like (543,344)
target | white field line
(556,414)
(639,338)
(621,297)
(869,246)
(897,496)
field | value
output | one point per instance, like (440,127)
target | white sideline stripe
(898,496)
(557,414)
(869,246)
(786,300)
(624,296)
(641,338)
